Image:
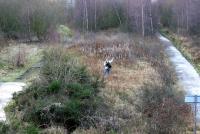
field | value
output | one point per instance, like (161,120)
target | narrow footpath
(187,75)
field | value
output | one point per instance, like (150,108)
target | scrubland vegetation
(67,43)
(70,95)
(135,104)
(64,94)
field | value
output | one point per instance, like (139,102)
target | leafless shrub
(18,58)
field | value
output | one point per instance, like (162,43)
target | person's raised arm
(110,61)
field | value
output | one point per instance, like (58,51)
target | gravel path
(187,75)
(6,92)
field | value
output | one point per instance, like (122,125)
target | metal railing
(193,100)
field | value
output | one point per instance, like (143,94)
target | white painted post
(195,114)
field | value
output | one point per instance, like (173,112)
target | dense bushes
(111,19)
(39,25)
(194,30)
(105,15)
(9,20)
(4,128)
(65,95)
(54,86)
(26,19)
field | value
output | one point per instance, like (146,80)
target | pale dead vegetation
(2,43)
(137,62)
(123,78)
(133,62)
(54,130)
(18,53)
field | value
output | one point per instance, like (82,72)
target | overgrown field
(141,93)
(72,96)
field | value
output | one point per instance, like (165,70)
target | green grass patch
(54,86)
(4,128)
(13,75)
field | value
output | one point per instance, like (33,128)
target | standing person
(107,67)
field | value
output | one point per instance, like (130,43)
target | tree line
(182,16)
(129,15)
(140,16)
(28,18)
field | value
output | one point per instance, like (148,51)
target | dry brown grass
(2,43)
(130,68)
(123,78)
(54,130)
(137,62)
(191,45)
